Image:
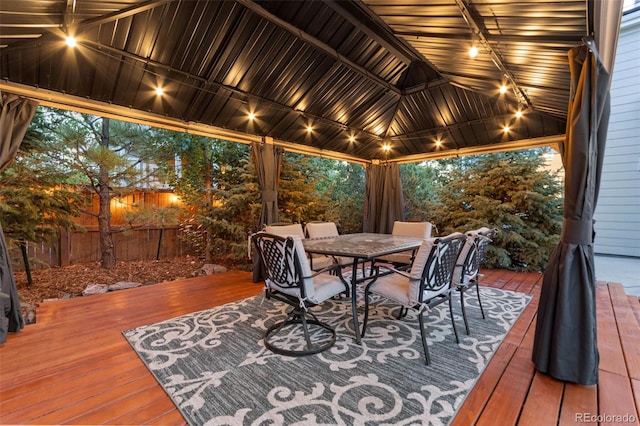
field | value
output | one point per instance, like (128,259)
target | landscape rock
(121,285)
(209,269)
(94,289)
(28,313)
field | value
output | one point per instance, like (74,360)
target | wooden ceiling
(393,73)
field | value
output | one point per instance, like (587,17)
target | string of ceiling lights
(386,145)
(251,115)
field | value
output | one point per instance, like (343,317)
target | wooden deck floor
(74,366)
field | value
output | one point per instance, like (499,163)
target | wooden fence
(81,247)
(120,205)
(137,244)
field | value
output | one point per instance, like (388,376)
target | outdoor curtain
(384,203)
(14,120)
(267,159)
(565,345)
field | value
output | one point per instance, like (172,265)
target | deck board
(615,398)
(75,367)
(609,346)
(508,397)
(577,399)
(542,406)
(634,303)
(483,389)
(628,330)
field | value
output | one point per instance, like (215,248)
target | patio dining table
(361,248)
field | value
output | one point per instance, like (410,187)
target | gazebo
(368,81)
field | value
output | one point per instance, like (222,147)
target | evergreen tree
(346,192)
(420,181)
(321,189)
(299,200)
(35,197)
(512,192)
(218,186)
(102,155)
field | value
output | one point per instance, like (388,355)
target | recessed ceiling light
(518,114)
(506,129)
(251,116)
(159,91)
(473,52)
(438,142)
(352,138)
(386,147)
(309,129)
(503,89)
(71,41)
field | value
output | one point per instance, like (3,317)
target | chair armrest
(393,270)
(328,268)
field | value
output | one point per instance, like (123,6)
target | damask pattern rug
(214,366)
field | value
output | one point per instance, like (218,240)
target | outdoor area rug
(214,366)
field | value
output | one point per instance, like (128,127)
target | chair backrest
(482,237)
(285,263)
(285,229)
(412,229)
(433,266)
(321,229)
(472,254)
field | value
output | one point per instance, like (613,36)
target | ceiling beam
(479,30)
(426,86)
(53,99)
(447,129)
(69,14)
(69,20)
(124,13)
(547,141)
(203,81)
(317,44)
(557,41)
(381,35)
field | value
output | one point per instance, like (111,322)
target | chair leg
(453,321)
(297,316)
(403,312)
(366,312)
(423,336)
(305,329)
(479,301)
(464,311)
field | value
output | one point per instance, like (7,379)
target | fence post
(63,248)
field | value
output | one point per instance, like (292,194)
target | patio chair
(467,272)
(285,229)
(427,284)
(289,279)
(290,229)
(325,229)
(404,259)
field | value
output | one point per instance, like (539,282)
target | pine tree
(299,199)
(101,155)
(512,192)
(36,199)
(419,184)
(218,186)
(347,192)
